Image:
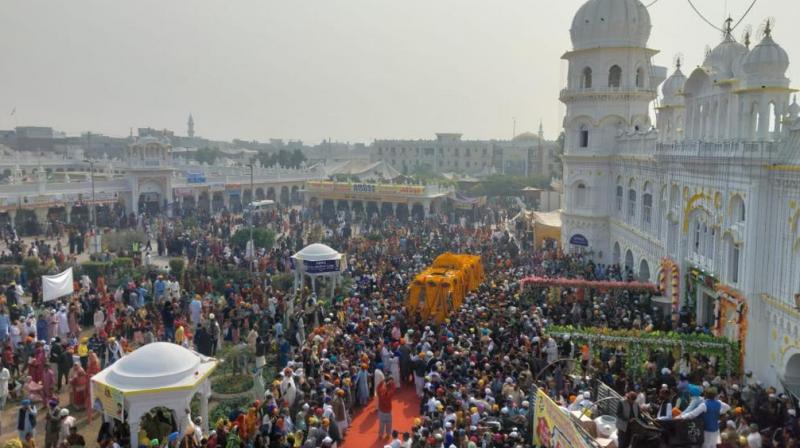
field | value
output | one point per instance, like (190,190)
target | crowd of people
(475,374)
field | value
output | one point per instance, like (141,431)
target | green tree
(262,238)
(558,166)
(207,155)
(283,158)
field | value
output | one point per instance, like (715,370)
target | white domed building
(156,375)
(707,197)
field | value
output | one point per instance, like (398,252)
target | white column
(133,426)
(204,411)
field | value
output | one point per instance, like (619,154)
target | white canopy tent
(160,374)
(316,260)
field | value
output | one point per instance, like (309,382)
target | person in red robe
(48,384)
(93,366)
(36,366)
(79,387)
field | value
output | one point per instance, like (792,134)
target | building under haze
(707,201)
(526,154)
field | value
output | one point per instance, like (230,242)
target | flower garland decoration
(670,272)
(726,352)
(730,295)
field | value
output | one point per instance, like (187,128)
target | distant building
(527,154)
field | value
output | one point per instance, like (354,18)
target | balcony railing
(746,150)
(605,91)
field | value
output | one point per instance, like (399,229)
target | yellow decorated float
(440,289)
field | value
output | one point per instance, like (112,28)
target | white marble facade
(713,186)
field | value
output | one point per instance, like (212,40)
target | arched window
(617,253)
(647,209)
(629,260)
(620,193)
(583,136)
(644,271)
(640,80)
(737,209)
(631,204)
(773,120)
(580,195)
(755,122)
(615,76)
(734,252)
(586,78)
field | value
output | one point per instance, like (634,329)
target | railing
(745,150)
(605,90)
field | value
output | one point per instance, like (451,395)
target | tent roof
(550,219)
(157,367)
(317,252)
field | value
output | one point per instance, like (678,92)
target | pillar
(204,411)
(12,217)
(133,426)
(68,210)
(226,199)
(180,417)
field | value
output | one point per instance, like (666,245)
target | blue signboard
(578,240)
(317,267)
(195,178)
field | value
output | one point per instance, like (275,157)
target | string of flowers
(724,350)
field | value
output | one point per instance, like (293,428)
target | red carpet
(363,432)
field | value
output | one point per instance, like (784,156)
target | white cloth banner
(55,286)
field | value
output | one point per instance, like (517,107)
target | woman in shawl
(48,381)
(37,363)
(79,387)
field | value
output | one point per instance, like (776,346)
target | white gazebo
(160,374)
(317,260)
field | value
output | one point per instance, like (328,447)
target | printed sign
(109,400)
(578,240)
(552,427)
(317,267)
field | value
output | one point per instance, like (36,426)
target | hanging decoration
(732,300)
(726,352)
(670,272)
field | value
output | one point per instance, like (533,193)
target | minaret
(542,165)
(190,127)
(610,87)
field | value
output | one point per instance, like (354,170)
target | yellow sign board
(552,427)
(111,400)
(365,188)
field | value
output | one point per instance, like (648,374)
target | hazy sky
(350,70)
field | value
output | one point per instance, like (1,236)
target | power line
(711,24)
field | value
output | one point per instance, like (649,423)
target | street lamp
(94,204)
(252,243)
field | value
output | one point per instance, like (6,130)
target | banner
(317,267)
(55,286)
(366,188)
(553,427)
(108,400)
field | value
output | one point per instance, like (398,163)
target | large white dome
(154,365)
(766,64)
(725,59)
(610,23)
(673,88)
(317,252)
